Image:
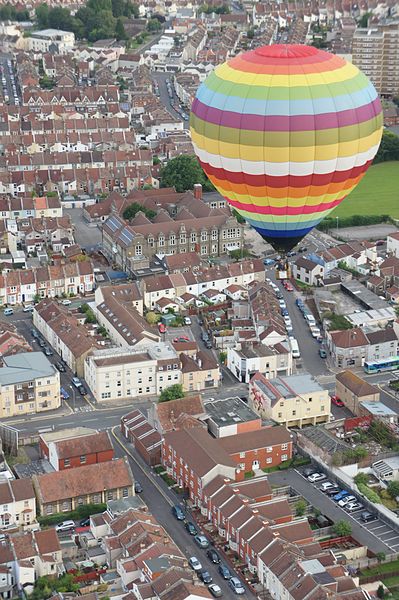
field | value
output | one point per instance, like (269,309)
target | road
(5,72)
(159,500)
(167,102)
(366,534)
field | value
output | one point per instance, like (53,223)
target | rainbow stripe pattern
(285,133)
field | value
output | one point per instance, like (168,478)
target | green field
(376,194)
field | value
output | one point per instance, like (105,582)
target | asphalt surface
(375,535)
(87,237)
(164,98)
(6,73)
(160,500)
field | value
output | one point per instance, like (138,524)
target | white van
(311,320)
(8,312)
(294,348)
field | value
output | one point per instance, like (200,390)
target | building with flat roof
(292,401)
(379,410)
(364,296)
(29,383)
(51,40)
(230,416)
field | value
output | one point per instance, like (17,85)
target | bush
(173,392)
(393,489)
(342,528)
(368,493)
(300,508)
(361,478)
(80,513)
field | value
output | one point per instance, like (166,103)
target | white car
(187,321)
(346,500)
(326,486)
(65,526)
(317,477)
(28,308)
(315,331)
(195,563)
(352,506)
(66,302)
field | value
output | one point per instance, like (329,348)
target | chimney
(198,191)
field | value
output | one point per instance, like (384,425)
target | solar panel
(113,223)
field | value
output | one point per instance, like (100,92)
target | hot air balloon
(285,132)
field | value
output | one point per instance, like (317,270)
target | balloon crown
(286,51)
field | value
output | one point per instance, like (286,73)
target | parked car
(201,541)
(215,590)
(236,586)
(289,287)
(340,495)
(8,312)
(191,528)
(28,308)
(65,526)
(367,516)
(138,488)
(34,333)
(60,367)
(353,506)
(224,571)
(195,563)
(326,486)
(48,351)
(332,491)
(316,477)
(346,499)
(309,471)
(208,344)
(66,302)
(178,512)
(76,381)
(41,343)
(161,327)
(82,390)
(269,261)
(337,401)
(205,576)
(187,321)
(213,556)
(322,353)
(284,312)
(204,336)
(84,522)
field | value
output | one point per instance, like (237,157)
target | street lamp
(337,223)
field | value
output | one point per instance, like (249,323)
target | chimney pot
(198,191)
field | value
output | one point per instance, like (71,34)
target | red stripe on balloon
(281,181)
(285,210)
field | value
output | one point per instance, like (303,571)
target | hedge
(82,512)
(368,493)
(353,221)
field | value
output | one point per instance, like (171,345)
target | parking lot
(376,535)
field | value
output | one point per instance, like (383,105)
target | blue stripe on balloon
(290,227)
(279,233)
(286,107)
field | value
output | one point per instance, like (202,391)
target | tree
(300,508)
(361,478)
(152,318)
(393,489)
(342,528)
(131,211)
(41,13)
(223,356)
(154,25)
(174,392)
(389,148)
(237,215)
(183,172)
(381,557)
(364,19)
(120,32)
(60,18)
(381,592)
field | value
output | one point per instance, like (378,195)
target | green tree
(154,25)
(60,18)
(120,32)
(183,172)
(364,19)
(46,83)
(119,8)
(152,318)
(172,393)
(131,211)
(389,148)
(41,14)
(99,5)
(250,34)
(381,557)
(393,489)
(381,592)
(361,478)
(223,356)
(342,528)
(300,508)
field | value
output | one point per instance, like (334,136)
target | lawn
(376,194)
(387,567)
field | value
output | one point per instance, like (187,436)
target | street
(159,500)
(164,98)
(7,86)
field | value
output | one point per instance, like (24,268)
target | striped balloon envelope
(285,132)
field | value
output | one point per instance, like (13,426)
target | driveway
(375,535)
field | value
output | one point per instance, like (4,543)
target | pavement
(367,232)
(375,535)
(87,237)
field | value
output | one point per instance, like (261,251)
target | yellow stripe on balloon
(348,71)
(283,218)
(293,154)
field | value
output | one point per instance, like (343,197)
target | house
(121,373)
(146,440)
(271,361)
(230,416)
(70,448)
(260,449)
(18,501)
(353,391)
(182,263)
(167,305)
(307,271)
(63,491)
(29,384)
(348,348)
(383,343)
(172,415)
(193,458)
(294,401)
(198,373)
(393,244)
(70,339)
(213,297)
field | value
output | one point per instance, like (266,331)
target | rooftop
(26,366)
(366,297)
(229,411)
(379,409)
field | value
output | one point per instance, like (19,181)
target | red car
(161,327)
(289,287)
(182,338)
(337,401)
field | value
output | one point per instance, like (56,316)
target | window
(110,495)
(284,457)
(322,408)
(269,460)
(269,449)
(242,454)
(125,493)
(67,462)
(139,250)
(284,446)
(83,459)
(280,415)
